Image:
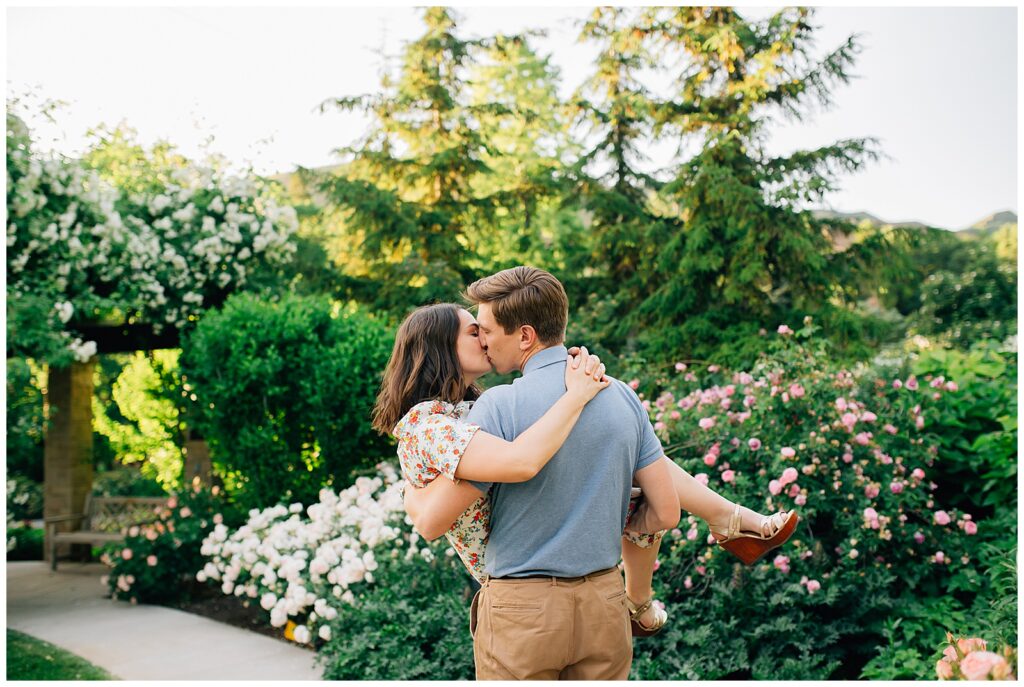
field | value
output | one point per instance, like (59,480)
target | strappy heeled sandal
(639,629)
(750,547)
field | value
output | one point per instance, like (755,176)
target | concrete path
(68,608)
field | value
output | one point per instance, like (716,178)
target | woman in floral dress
(428,388)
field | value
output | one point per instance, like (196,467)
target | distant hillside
(989,225)
(857,217)
(979,229)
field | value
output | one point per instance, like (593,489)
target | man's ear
(527,337)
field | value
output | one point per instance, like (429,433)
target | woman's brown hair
(424,365)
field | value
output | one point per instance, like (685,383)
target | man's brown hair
(524,295)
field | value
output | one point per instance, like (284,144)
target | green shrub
(28,543)
(975,430)
(283,394)
(411,624)
(24,498)
(25,423)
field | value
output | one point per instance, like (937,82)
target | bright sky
(938,86)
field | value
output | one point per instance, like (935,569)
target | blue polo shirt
(567,521)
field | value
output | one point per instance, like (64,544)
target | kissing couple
(543,485)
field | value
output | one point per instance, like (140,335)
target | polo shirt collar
(545,357)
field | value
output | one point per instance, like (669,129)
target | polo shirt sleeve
(486,415)
(650,445)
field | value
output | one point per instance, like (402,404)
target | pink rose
(172,502)
(789,475)
(897,384)
(775,487)
(890,428)
(868,416)
(754,444)
(702,477)
(813,586)
(634,384)
(706,422)
(691,534)
(917,473)
(680,367)
(918,537)
(713,368)
(849,420)
(969,644)
(185,512)
(688,582)
(870,513)
(675,415)
(841,404)
(977,665)
(847,457)
(728,476)
(784,329)
(942,517)
(787,452)
(800,500)
(951,386)
(781,562)
(864,438)
(734,442)
(940,557)
(944,669)
(794,490)
(912,383)
(658,426)
(970,528)
(709,459)
(151,560)
(796,391)
(127,554)
(871,491)
(919,422)
(896,487)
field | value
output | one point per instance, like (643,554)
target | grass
(29,658)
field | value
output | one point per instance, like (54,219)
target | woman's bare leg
(639,565)
(707,504)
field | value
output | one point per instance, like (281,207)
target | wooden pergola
(67,449)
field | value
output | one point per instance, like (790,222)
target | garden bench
(104,520)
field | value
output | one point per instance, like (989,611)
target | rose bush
(850,450)
(158,559)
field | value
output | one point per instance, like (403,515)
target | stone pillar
(67,454)
(197,460)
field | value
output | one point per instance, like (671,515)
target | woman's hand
(584,376)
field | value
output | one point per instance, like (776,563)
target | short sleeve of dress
(431,441)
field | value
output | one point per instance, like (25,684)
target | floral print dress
(432,437)
(431,440)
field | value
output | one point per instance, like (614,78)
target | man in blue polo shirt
(554,606)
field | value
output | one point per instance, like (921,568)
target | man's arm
(660,508)
(435,507)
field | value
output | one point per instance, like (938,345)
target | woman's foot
(750,536)
(647,618)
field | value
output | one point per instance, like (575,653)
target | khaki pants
(552,628)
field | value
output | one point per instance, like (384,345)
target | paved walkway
(67,608)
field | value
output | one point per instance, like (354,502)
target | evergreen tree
(728,244)
(529,141)
(407,189)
